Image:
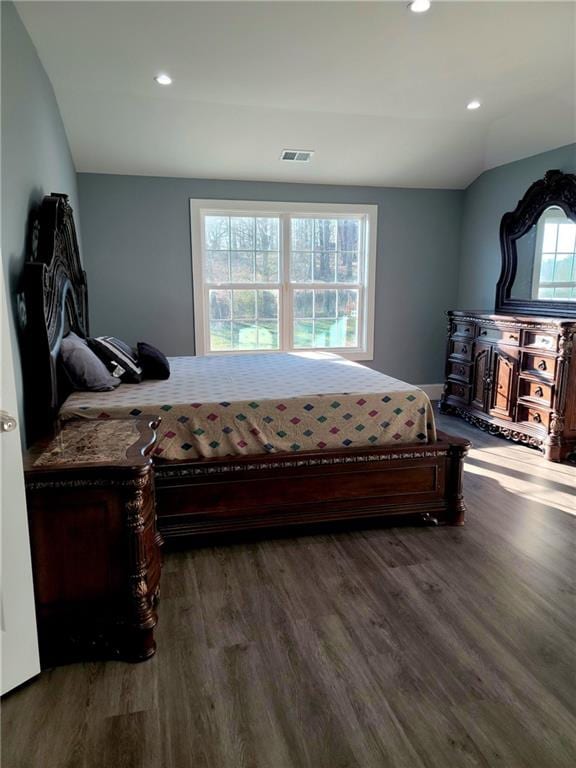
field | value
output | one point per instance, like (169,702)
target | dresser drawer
(499,335)
(460,328)
(537,417)
(535,390)
(538,364)
(462,349)
(460,371)
(543,341)
(457,391)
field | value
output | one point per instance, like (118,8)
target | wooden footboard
(210,496)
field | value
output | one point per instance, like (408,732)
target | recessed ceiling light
(419,6)
(474,104)
(163,79)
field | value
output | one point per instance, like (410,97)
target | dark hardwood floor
(378,648)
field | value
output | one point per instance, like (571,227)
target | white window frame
(369,213)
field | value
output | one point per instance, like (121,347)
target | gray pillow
(85,369)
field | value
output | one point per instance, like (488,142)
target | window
(282,277)
(555,262)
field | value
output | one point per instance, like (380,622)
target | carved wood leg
(552,448)
(143,619)
(456,509)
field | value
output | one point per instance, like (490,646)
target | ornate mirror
(538,242)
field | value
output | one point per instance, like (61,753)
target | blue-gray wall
(136,235)
(36,158)
(485,202)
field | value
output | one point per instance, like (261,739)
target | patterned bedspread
(266,403)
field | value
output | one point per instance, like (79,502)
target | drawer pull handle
(539,392)
(464,349)
(513,337)
(461,370)
(537,418)
(466,330)
(542,365)
(484,333)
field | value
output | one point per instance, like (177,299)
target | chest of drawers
(514,376)
(95,548)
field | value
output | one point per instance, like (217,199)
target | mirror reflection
(546,259)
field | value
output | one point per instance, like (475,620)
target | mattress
(246,404)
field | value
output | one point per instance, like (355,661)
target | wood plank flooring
(378,648)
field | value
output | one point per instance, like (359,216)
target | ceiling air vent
(296,155)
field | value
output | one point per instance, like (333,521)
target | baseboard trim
(434,391)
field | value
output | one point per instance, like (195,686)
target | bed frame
(196,499)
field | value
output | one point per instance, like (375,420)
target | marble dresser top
(88,441)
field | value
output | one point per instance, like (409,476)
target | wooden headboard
(56,302)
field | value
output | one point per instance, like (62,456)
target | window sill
(357,356)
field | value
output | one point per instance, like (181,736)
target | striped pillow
(118,358)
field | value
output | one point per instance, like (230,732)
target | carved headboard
(56,302)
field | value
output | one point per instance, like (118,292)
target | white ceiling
(378,92)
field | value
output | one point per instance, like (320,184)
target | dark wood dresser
(95,548)
(515,376)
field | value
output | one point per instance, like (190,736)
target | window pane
(303,334)
(217,233)
(545,293)
(348,267)
(349,329)
(348,234)
(267,234)
(326,334)
(326,318)
(562,293)
(336,334)
(242,267)
(547,268)
(335,250)
(302,234)
(329,333)
(347,303)
(566,237)
(267,305)
(255,335)
(220,305)
(325,234)
(244,305)
(301,268)
(304,304)
(267,334)
(220,335)
(244,335)
(563,268)
(550,232)
(267,267)
(324,267)
(325,303)
(217,267)
(242,233)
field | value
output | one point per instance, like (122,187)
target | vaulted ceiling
(378,92)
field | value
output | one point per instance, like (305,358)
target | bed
(240,405)
(247,441)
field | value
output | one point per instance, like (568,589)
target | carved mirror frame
(558,189)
